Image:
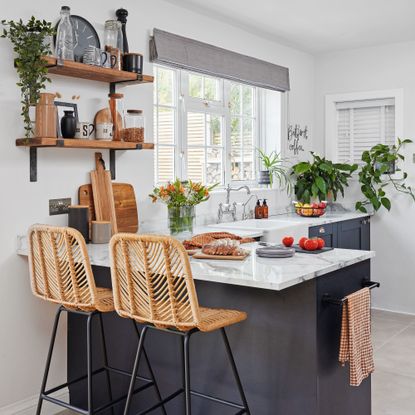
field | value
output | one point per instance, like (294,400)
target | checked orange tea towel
(355,339)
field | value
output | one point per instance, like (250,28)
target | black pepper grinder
(122,17)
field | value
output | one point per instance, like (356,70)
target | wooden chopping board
(124,201)
(228,257)
(102,193)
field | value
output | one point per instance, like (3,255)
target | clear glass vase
(181,219)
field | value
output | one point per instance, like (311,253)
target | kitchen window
(206,128)
(355,124)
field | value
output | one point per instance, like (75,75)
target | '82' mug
(85,130)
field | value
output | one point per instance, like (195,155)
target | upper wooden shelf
(77,143)
(94,73)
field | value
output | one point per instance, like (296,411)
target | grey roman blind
(184,53)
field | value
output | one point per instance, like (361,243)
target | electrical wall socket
(59,206)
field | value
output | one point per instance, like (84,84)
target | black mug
(133,62)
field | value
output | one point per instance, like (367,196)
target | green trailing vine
(316,179)
(30,43)
(377,174)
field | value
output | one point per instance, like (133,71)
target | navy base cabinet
(348,234)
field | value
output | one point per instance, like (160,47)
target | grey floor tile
(392,394)
(398,354)
(383,330)
(381,315)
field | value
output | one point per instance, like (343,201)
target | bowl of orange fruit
(310,209)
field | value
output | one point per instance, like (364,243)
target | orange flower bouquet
(181,198)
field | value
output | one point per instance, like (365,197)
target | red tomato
(311,245)
(321,243)
(302,241)
(288,240)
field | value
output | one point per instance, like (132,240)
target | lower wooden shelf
(44,142)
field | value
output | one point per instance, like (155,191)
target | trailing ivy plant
(30,43)
(376,174)
(317,179)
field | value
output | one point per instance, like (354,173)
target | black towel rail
(327,298)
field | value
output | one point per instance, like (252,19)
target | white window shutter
(363,124)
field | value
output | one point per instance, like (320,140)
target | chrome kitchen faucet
(227,208)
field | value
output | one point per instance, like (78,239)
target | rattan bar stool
(61,273)
(153,285)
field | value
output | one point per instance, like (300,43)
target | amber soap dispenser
(265,209)
(258,210)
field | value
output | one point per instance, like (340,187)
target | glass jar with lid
(134,123)
(111,33)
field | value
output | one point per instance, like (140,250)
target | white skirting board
(28,406)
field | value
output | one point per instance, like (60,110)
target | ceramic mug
(103,131)
(85,130)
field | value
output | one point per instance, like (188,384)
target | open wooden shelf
(94,73)
(77,143)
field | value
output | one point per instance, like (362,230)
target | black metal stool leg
(48,360)
(235,370)
(150,369)
(186,374)
(104,348)
(89,362)
(135,370)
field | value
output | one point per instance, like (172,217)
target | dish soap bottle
(265,209)
(258,210)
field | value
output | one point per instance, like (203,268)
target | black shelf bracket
(112,164)
(33,164)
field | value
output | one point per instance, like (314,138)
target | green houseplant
(273,163)
(377,174)
(30,43)
(320,177)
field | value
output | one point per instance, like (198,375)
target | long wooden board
(124,201)
(221,257)
(102,193)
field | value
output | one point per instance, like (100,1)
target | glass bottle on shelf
(111,34)
(113,42)
(64,36)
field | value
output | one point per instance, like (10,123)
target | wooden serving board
(201,255)
(124,201)
(102,193)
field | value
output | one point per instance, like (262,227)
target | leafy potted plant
(181,199)
(377,173)
(274,167)
(30,43)
(320,178)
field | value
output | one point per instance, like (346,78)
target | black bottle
(68,125)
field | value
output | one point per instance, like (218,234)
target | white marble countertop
(265,273)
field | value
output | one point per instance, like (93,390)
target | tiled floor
(393,383)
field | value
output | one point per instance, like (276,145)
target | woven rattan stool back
(60,269)
(152,281)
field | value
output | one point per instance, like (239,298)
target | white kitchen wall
(379,68)
(25,321)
